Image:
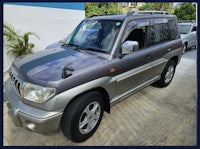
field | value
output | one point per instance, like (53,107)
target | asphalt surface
(152,116)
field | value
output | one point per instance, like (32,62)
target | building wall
(50,21)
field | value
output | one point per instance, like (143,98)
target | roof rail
(147,12)
(96,15)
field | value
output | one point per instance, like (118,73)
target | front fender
(60,101)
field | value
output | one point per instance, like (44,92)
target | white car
(188,32)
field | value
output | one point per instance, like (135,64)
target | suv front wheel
(167,74)
(83,116)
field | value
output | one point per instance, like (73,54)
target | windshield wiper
(75,47)
(69,44)
(80,48)
(96,50)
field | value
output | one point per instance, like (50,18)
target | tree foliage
(18,44)
(165,6)
(185,11)
(101,8)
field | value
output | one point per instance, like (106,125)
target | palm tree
(18,44)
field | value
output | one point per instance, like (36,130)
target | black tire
(75,113)
(184,48)
(164,81)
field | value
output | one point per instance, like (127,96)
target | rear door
(162,40)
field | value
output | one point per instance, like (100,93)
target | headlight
(37,93)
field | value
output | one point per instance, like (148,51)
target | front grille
(16,82)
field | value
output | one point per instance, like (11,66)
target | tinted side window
(138,35)
(159,33)
(136,30)
(173,29)
(194,29)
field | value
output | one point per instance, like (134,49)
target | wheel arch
(175,58)
(102,91)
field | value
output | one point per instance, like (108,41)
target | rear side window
(173,29)
(159,33)
(194,29)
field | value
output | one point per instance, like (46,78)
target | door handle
(169,49)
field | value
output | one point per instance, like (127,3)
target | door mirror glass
(129,46)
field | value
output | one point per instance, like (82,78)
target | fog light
(31,126)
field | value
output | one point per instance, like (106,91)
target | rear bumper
(24,115)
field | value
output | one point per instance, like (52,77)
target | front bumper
(24,115)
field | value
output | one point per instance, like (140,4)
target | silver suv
(104,60)
(188,31)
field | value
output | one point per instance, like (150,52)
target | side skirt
(133,90)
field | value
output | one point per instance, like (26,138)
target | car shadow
(190,54)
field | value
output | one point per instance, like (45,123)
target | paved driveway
(152,116)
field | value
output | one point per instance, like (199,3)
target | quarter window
(173,29)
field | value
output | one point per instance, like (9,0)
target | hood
(54,45)
(48,65)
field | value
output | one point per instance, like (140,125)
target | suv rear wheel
(167,74)
(83,116)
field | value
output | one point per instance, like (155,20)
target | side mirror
(129,46)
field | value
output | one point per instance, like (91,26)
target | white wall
(50,24)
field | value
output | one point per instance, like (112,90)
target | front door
(134,67)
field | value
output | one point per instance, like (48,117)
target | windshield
(95,35)
(184,29)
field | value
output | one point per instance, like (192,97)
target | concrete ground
(152,116)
